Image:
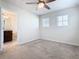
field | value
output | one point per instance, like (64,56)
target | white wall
(27,23)
(68,34)
(0,29)
(28,27)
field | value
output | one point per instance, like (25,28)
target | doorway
(9,29)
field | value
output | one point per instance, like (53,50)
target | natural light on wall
(45,22)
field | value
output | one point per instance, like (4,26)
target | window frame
(63,21)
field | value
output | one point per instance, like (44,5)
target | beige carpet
(42,49)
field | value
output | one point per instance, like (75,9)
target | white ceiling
(57,5)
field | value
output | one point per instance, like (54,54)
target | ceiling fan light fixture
(41,5)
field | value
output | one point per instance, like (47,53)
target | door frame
(2,29)
(2,23)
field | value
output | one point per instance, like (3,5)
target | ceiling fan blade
(31,3)
(48,1)
(46,6)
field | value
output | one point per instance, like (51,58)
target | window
(45,22)
(62,20)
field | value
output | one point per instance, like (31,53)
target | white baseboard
(22,43)
(74,44)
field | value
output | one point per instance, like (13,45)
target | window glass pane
(62,20)
(65,18)
(59,18)
(59,21)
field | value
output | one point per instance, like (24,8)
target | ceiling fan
(41,3)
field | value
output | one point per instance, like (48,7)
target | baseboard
(63,42)
(22,43)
